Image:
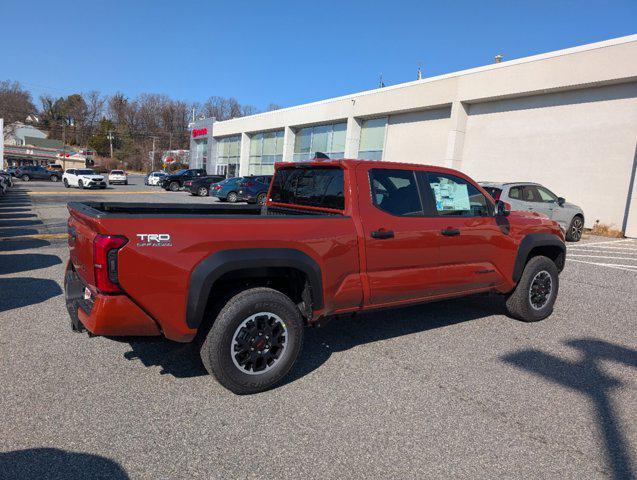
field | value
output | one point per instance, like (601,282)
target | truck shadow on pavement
(56,464)
(588,377)
(24,262)
(344,333)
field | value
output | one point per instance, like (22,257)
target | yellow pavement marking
(36,235)
(90,192)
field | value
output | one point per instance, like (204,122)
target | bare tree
(273,106)
(16,104)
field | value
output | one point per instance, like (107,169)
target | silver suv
(534,197)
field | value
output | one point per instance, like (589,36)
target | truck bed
(179,210)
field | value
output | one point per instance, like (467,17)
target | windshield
(179,172)
(84,172)
(117,172)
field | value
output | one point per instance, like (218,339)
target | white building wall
(580,144)
(418,137)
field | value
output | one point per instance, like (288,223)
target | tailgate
(82,231)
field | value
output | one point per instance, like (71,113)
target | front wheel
(232,197)
(254,341)
(202,192)
(80,184)
(25,178)
(54,178)
(261,199)
(173,187)
(574,232)
(536,292)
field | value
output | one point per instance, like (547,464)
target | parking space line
(627,268)
(609,242)
(90,192)
(602,256)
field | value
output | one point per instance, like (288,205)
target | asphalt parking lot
(447,390)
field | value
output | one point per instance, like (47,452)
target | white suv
(83,178)
(117,176)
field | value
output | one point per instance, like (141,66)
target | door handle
(382,234)
(450,232)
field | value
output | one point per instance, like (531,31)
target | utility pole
(152,156)
(110,140)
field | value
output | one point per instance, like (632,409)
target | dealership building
(566,119)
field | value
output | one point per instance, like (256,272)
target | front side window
(395,191)
(315,187)
(546,196)
(457,197)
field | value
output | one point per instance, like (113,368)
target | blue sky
(285,52)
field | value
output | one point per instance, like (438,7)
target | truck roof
(353,162)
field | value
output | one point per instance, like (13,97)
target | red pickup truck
(334,237)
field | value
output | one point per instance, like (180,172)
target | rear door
(401,242)
(471,241)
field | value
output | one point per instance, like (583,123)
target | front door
(471,241)
(401,244)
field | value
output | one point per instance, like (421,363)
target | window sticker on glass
(451,196)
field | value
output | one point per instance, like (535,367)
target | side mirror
(561,201)
(502,208)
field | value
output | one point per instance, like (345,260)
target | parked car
(54,167)
(201,186)
(154,178)
(37,172)
(117,176)
(83,178)
(335,237)
(226,190)
(534,197)
(254,189)
(176,180)
(12,170)
(4,185)
(7,177)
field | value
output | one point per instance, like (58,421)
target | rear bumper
(112,315)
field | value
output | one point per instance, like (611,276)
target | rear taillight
(105,250)
(217,187)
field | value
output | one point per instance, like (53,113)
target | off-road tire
(518,303)
(574,232)
(232,197)
(25,178)
(216,348)
(174,186)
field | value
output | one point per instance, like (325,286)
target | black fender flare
(528,243)
(214,266)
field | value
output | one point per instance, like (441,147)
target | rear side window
(515,192)
(310,186)
(395,191)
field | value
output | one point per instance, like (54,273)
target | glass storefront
(328,139)
(266,148)
(201,153)
(228,151)
(372,139)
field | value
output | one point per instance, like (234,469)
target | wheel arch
(536,244)
(237,262)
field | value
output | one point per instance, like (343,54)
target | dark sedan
(200,187)
(254,189)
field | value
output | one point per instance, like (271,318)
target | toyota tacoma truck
(333,238)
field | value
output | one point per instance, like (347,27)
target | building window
(228,151)
(372,139)
(327,139)
(266,148)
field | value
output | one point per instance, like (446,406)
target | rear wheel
(202,192)
(261,199)
(575,229)
(254,341)
(534,296)
(232,197)
(25,178)
(54,178)
(66,183)
(173,187)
